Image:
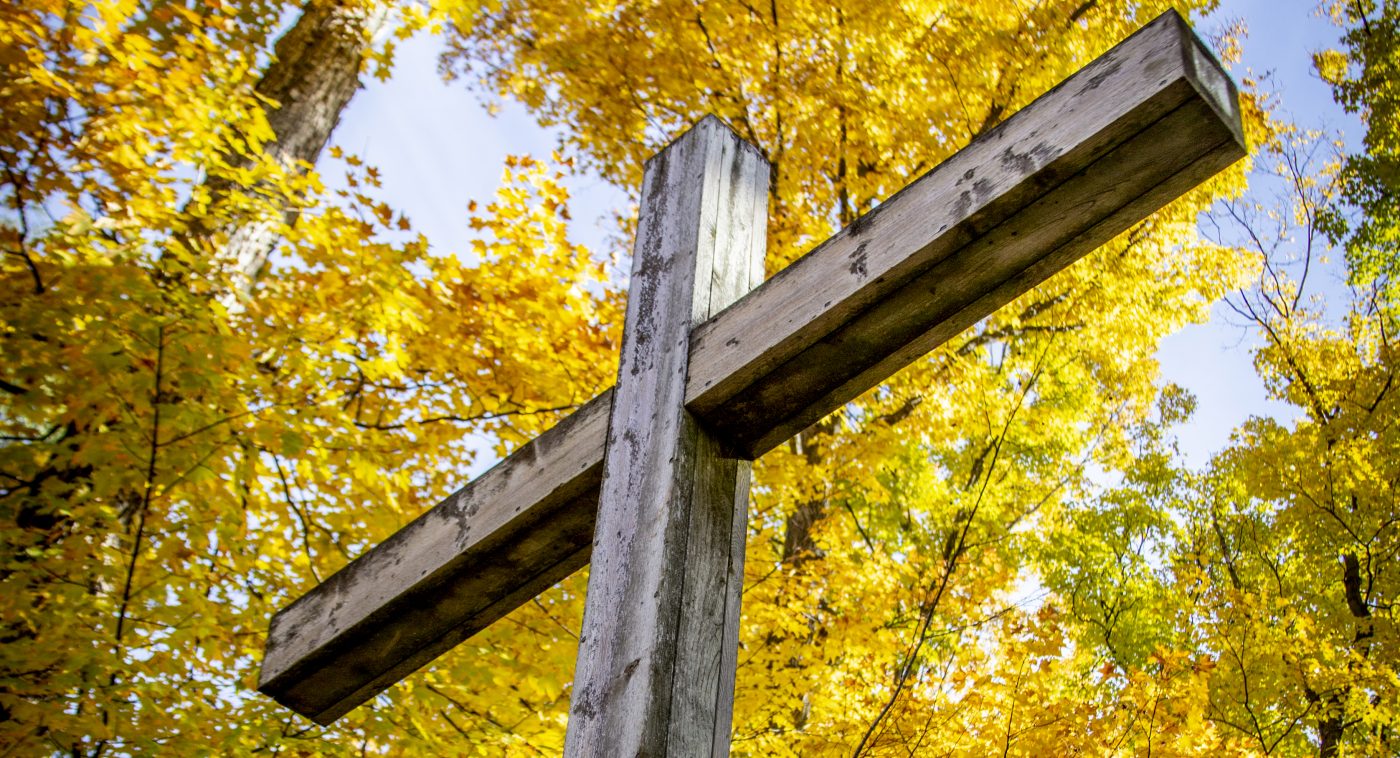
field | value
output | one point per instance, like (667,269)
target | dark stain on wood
(1110,65)
(858,261)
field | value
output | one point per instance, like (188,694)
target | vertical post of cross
(655,671)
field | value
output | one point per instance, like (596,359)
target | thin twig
(150,484)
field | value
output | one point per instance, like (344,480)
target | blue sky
(438,149)
(1213,360)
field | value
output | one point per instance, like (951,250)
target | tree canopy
(226,375)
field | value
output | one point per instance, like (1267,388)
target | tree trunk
(1331,726)
(315,72)
(1330,736)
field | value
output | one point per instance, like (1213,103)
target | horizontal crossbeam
(1124,136)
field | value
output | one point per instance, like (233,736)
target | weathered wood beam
(1130,132)
(1136,128)
(507,536)
(658,646)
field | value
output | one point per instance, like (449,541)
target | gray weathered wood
(1127,134)
(1119,139)
(655,672)
(510,534)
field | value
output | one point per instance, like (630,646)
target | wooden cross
(650,479)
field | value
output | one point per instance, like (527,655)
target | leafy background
(227,374)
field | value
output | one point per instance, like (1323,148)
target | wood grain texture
(1122,137)
(655,671)
(519,528)
(1133,130)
